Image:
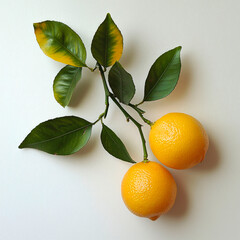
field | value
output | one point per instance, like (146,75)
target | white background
(45,197)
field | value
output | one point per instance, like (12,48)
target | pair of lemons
(178,141)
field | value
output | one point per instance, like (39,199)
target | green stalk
(99,118)
(139,103)
(138,125)
(127,115)
(140,114)
(105,89)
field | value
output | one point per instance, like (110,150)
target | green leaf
(163,75)
(107,43)
(61,136)
(113,145)
(121,83)
(60,42)
(65,83)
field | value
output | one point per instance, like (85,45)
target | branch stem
(140,113)
(138,125)
(139,103)
(127,115)
(105,89)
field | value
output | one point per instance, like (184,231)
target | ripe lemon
(148,189)
(178,140)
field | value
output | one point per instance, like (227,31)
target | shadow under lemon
(212,158)
(181,204)
(210,163)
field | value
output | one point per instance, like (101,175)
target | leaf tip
(21,146)
(36,25)
(63,104)
(108,15)
(179,48)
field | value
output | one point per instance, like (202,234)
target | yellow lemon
(148,189)
(178,140)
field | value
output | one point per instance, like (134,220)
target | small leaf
(62,136)
(163,75)
(61,43)
(107,43)
(113,145)
(65,83)
(121,83)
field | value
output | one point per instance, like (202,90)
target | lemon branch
(105,89)
(138,125)
(127,115)
(140,113)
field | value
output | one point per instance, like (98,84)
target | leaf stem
(91,69)
(99,118)
(139,103)
(138,125)
(105,89)
(140,113)
(102,115)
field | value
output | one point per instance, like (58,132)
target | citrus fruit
(178,140)
(148,189)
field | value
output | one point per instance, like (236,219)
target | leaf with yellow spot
(107,43)
(61,43)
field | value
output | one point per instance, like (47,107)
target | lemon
(178,140)
(148,189)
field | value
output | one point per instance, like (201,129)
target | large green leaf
(61,43)
(61,136)
(65,83)
(107,43)
(113,145)
(163,75)
(121,83)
